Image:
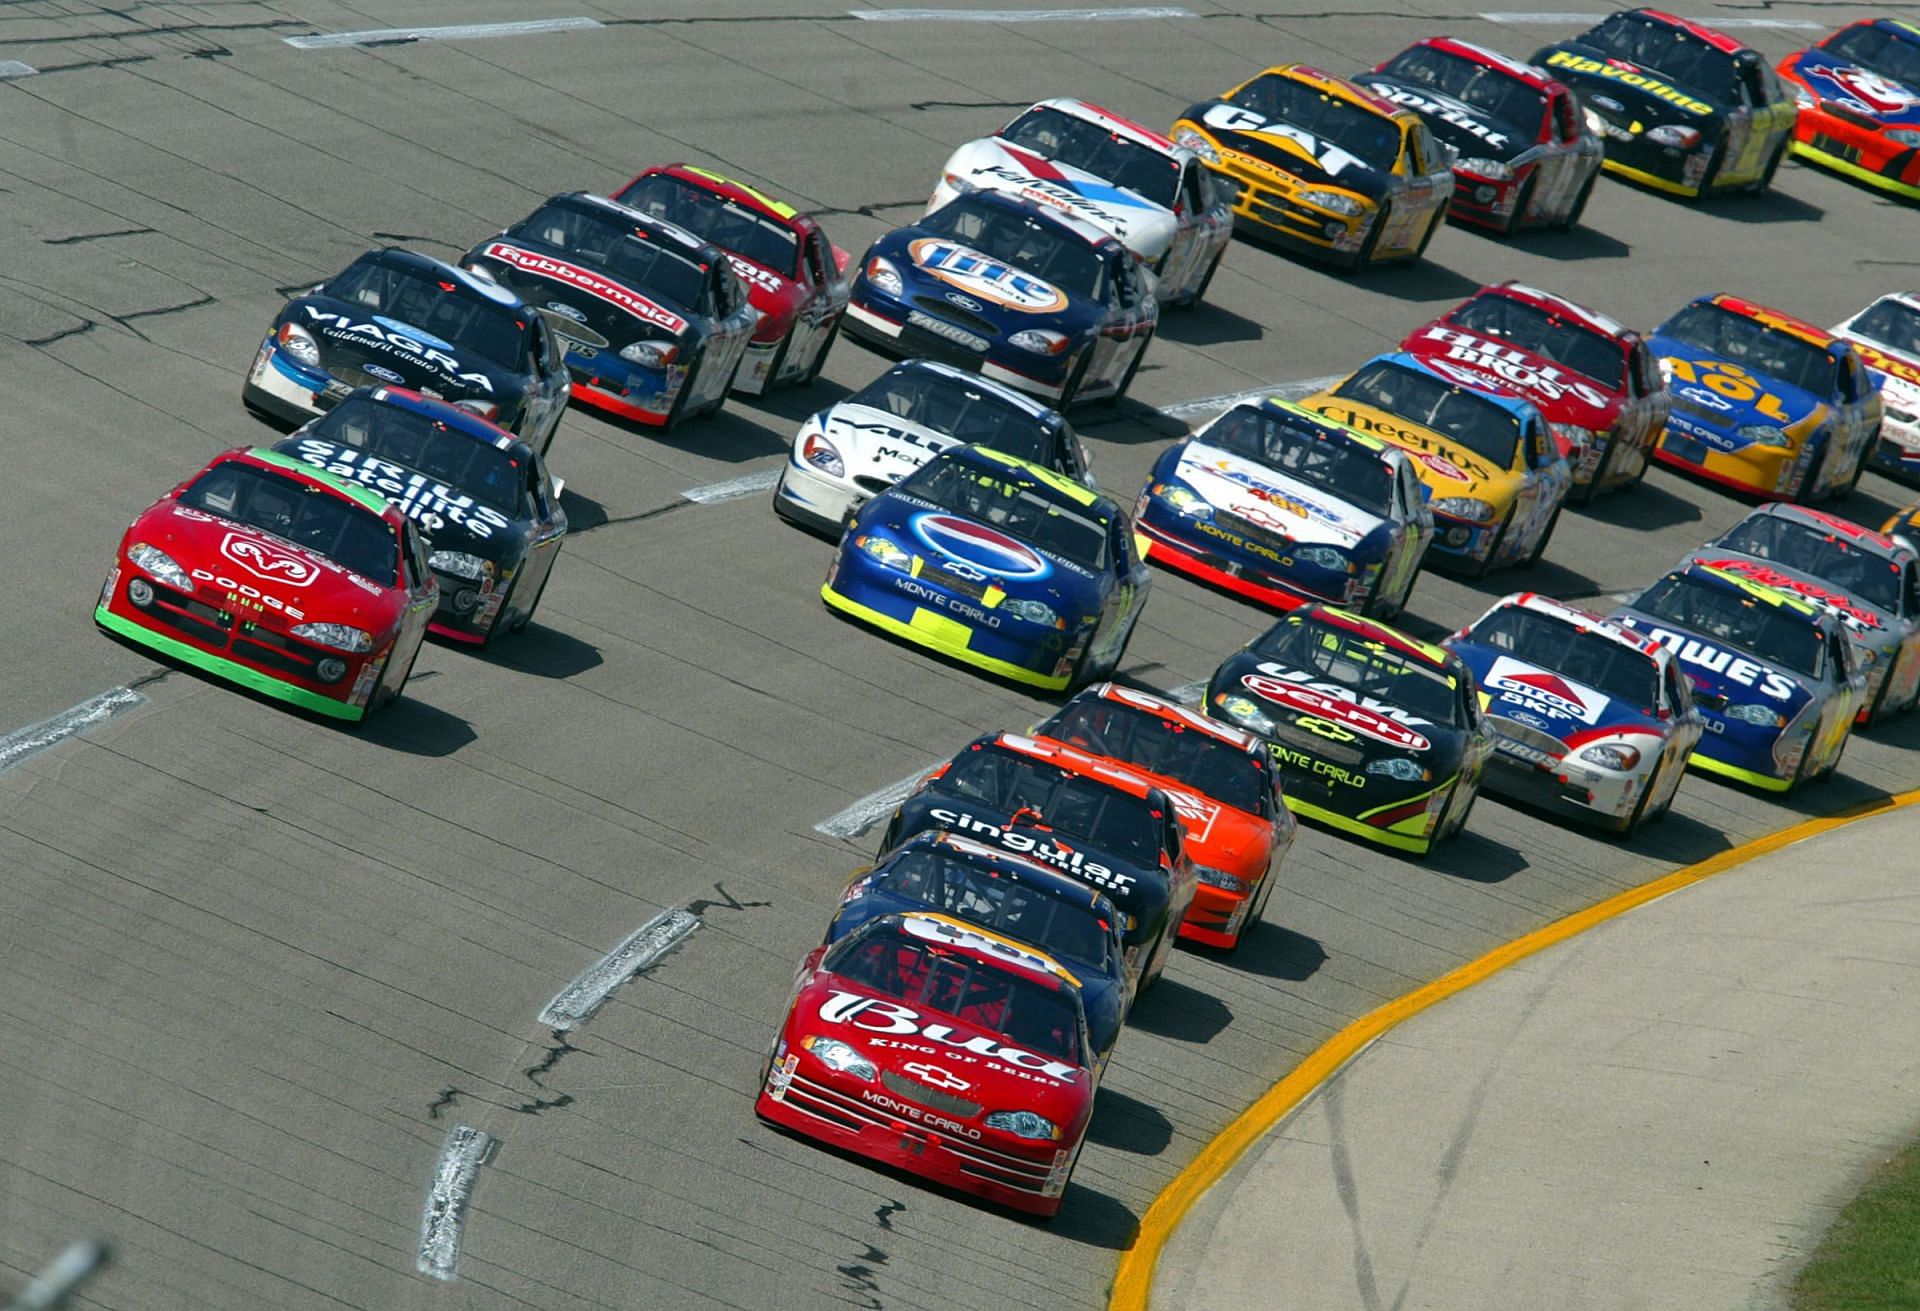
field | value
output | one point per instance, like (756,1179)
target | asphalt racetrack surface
(254,969)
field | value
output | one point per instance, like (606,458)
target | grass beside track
(1871,1256)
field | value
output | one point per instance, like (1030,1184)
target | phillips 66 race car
(1590,718)
(1859,97)
(1886,336)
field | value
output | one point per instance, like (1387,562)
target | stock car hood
(1867,624)
(1853,91)
(1701,412)
(1552,702)
(448,518)
(1296,696)
(581,303)
(1473,132)
(1268,498)
(1739,676)
(1137,223)
(966,550)
(1444,466)
(1277,144)
(362,348)
(879,443)
(988,289)
(1562,395)
(1626,93)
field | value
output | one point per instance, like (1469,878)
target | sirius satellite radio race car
(1886,336)
(1859,98)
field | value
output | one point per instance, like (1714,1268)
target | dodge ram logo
(935,1077)
(272,563)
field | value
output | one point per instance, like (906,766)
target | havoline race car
(1886,336)
(1859,98)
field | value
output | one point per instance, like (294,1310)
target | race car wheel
(1126,379)
(1074,379)
(1540,547)
(1193,302)
(1585,495)
(1156,962)
(812,374)
(678,414)
(1714,162)
(1257,914)
(1631,825)
(1765,179)
(1365,257)
(520,624)
(1827,771)
(1434,225)
(773,369)
(506,608)
(1478,569)
(1572,220)
(1520,204)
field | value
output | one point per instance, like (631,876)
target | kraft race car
(1152,196)
(1773,674)
(866,443)
(1523,154)
(1859,98)
(1022,293)
(1763,402)
(394,318)
(795,277)
(938,1048)
(653,321)
(998,563)
(1486,456)
(1222,783)
(1886,336)
(1590,719)
(1595,382)
(275,575)
(1682,108)
(1322,166)
(488,512)
(1376,733)
(1280,504)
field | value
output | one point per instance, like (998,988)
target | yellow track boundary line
(1133,1280)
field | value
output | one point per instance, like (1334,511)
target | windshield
(1565,342)
(1013,503)
(971,889)
(308,516)
(602,239)
(1301,449)
(1892,324)
(1779,635)
(1573,652)
(1678,53)
(964,411)
(1824,554)
(1878,51)
(1361,664)
(1162,746)
(423,444)
(1754,346)
(1042,249)
(440,308)
(1483,86)
(711,217)
(1367,135)
(1007,782)
(1094,149)
(1459,413)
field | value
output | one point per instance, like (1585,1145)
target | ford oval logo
(384,374)
(986,549)
(967,303)
(1609,104)
(567,311)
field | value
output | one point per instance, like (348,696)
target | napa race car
(1280,504)
(1763,402)
(1886,336)
(652,320)
(1322,166)
(1681,107)
(287,580)
(1595,382)
(1523,155)
(1376,733)
(1773,674)
(1590,719)
(1859,98)
(998,563)
(1485,455)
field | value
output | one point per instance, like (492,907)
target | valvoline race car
(396,318)
(1322,166)
(795,277)
(1590,718)
(1773,674)
(1486,456)
(1763,402)
(484,503)
(1523,155)
(1682,108)
(1152,196)
(272,574)
(866,443)
(1596,382)
(1859,98)
(998,563)
(1223,784)
(941,1049)
(1020,292)
(1376,733)
(1280,504)
(1886,336)
(653,321)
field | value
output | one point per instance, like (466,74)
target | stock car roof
(1857,535)
(1050,485)
(733,190)
(1824,338)
(993,949)
(1190,719)
(1113,122)
(1725,580)
(300,469)
(1405,643)
(456,417)
(481,284)
(1345,88)
(1554,304)
(1585,620)
(1077,227)
(973,382)
(1021,868)
(1518,69)
(1505,396)
(702,252)
(1712,36)
(1073,760)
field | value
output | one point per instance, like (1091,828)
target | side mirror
(1710,700)
(559,485)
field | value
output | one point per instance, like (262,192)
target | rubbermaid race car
(1764,402)
(1376,733)
(1590,719)
(1031,297)
(1596,382)
(394,318)
(1487,458)
(795,277)
(1523,155)
(1322,166)
(938,1048)
(1773,674)
(1886,336)
(866,443)
(1282,505)
(998,563)
(272,574)
(653,321)
(1152,196)
(1859,98)
(1682,108)
(488,513)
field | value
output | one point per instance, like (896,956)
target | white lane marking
(872,808)
(644,946)
(733,488)
(35,738)
(1549,19)
(1286,391)
(1020,15)
(52,1286)
(14,68)
(462,32)
(451,1187)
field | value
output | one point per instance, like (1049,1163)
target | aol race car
(1277,503)
(394,318)
(1682,108)
(1595,382)
(1590,718)
(1886,336)
(485,506)
(997,563)
(795,277)
(1859,98)
(653,320)
(1322,166)
(1495,478)
(1523,155)
(1773,673)
(275,575)
(1763,402)
(1376,733)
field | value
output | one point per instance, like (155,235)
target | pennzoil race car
(1886,336)
(1859,98)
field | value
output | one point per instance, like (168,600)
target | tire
(1832,766)
(1585,495)
(1714,161)
(506,607)
(773,369)
(1480,567)
(1572,220)
(1365,255)
(1193,302)
(1126,379)
(1639,815)
(1540,547)
(1074,379)
(521,624)
(1519,208)
(1257,914)
(1765,179)
(812,375)
(1162,942)
(678,414)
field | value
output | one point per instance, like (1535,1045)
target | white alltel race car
(1886,335)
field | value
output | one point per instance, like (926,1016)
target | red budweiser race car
(1596,382)
(278,576)
(940,1048)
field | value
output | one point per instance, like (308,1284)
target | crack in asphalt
(86,325)
(78,238)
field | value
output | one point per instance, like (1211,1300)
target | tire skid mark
(449,1191)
